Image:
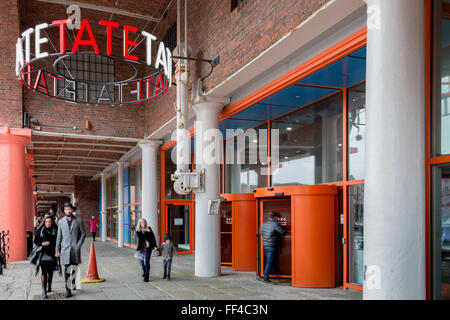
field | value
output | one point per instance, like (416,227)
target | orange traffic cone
(92,274)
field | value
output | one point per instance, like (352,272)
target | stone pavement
(123,281)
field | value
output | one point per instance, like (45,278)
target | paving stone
(123,277)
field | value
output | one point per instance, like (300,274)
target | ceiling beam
(73,157)
(82,136)
(68,164)
(83,144)
(72,162)
(63,174)
(79,149)
(103,9)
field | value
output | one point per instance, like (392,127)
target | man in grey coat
(69,240)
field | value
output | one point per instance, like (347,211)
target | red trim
(340,50)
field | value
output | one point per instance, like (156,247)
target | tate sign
(157,74)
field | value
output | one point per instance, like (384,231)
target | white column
(207,227)
(150,185)
(120,208)
(104,212)
(394,200)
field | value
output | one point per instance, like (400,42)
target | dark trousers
(167,266)
(146,262)
(271,254)
(93,235)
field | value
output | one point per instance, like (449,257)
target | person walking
(38,220)
(271,233)
(69,240)
(45,237)
(53,215)
(168,250)
(94,227)
(146,244)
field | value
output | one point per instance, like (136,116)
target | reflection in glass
(442,233)
(114,188)
(114,223)
(178,226)
(135,213)
(108,193)
(356,131)
(244,176)
(108,223)
(226,228)
(356,234)
(136,182)
(441,117)
(310,144)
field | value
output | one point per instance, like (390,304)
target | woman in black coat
(146,244)
(45,237)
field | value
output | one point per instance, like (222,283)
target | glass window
(114,189)
(356,234)
(136,182)
(441,109)
(310,144)
(441,204)
(114,223)
(178,226)
(108,193)
(356,131)
(135,214)
(108,223)
(170,167)
(244,175)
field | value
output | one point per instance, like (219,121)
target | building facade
(345,132)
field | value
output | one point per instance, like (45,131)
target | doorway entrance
(283,263)
(179,224)
(226,232)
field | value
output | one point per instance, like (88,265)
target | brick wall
(87,193)
(120,121)
(236,36)
(10,89)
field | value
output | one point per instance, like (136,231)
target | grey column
(394,204)
(104,212)
(120,206)
(207,227)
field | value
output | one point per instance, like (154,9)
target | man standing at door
(271,233)
(69,240)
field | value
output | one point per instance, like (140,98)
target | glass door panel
(356,234)
(178,226)
(226,226)
(441,231)
(135,214)
(283,208)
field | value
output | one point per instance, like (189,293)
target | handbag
(139,255)
(34,255)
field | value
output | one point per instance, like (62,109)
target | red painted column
(13,178)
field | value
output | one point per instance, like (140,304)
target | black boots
(146,278)
(165,275)
(168,277)
(66,277)
(44,289)
(49,284)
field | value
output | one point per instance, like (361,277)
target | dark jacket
(271,232)
(42,235)
(143,237)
